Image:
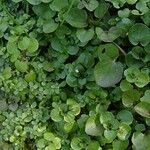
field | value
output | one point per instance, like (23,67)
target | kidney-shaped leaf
(139,33)
(77,18)
(107,74)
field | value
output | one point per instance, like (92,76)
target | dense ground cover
(74,74)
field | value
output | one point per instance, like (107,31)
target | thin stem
(121,50)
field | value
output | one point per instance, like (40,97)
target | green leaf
(124,13)
(92,128)
(7,73)
(131,74)
(85,35)
(108,52)
(101,10)
(33,45)
(57,142)
(125,116)
(46,1)
(124,131)
(107,74)
(24,43)
(3,105)
(146,97)
(31,76)
(71,80)
(110,135)
(41,143)
(16,1)
(120,145)
(43,11)
(94,145)
(146,18)
(131,1)
(139,34)
(51,146)
(143,108)
(108,36)
(125,86)
(34,2)
(90,5)
(143,79)
(49,26)
(57,5)
(141,141)
(12,47)
(77,18)
(129,97)
(55,115)
(49,136)
(21,66)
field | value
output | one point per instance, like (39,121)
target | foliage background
(74,74)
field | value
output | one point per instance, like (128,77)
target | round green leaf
(49,26)
(129,97)
(77,18)
(21,66)
(24,43)
(124,131)
(108,52)
(107,74)
(85,35)
(33,45)
(92,128)
(139,34)
(125,116)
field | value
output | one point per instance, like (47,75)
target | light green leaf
(92,128)
(24,43)
(31,76)
(124,131)
(41,143)
(33,45)
(107,74)
(143,108)
(129,97)
(146,97)
(21,66)
(49,136)
(141,141)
